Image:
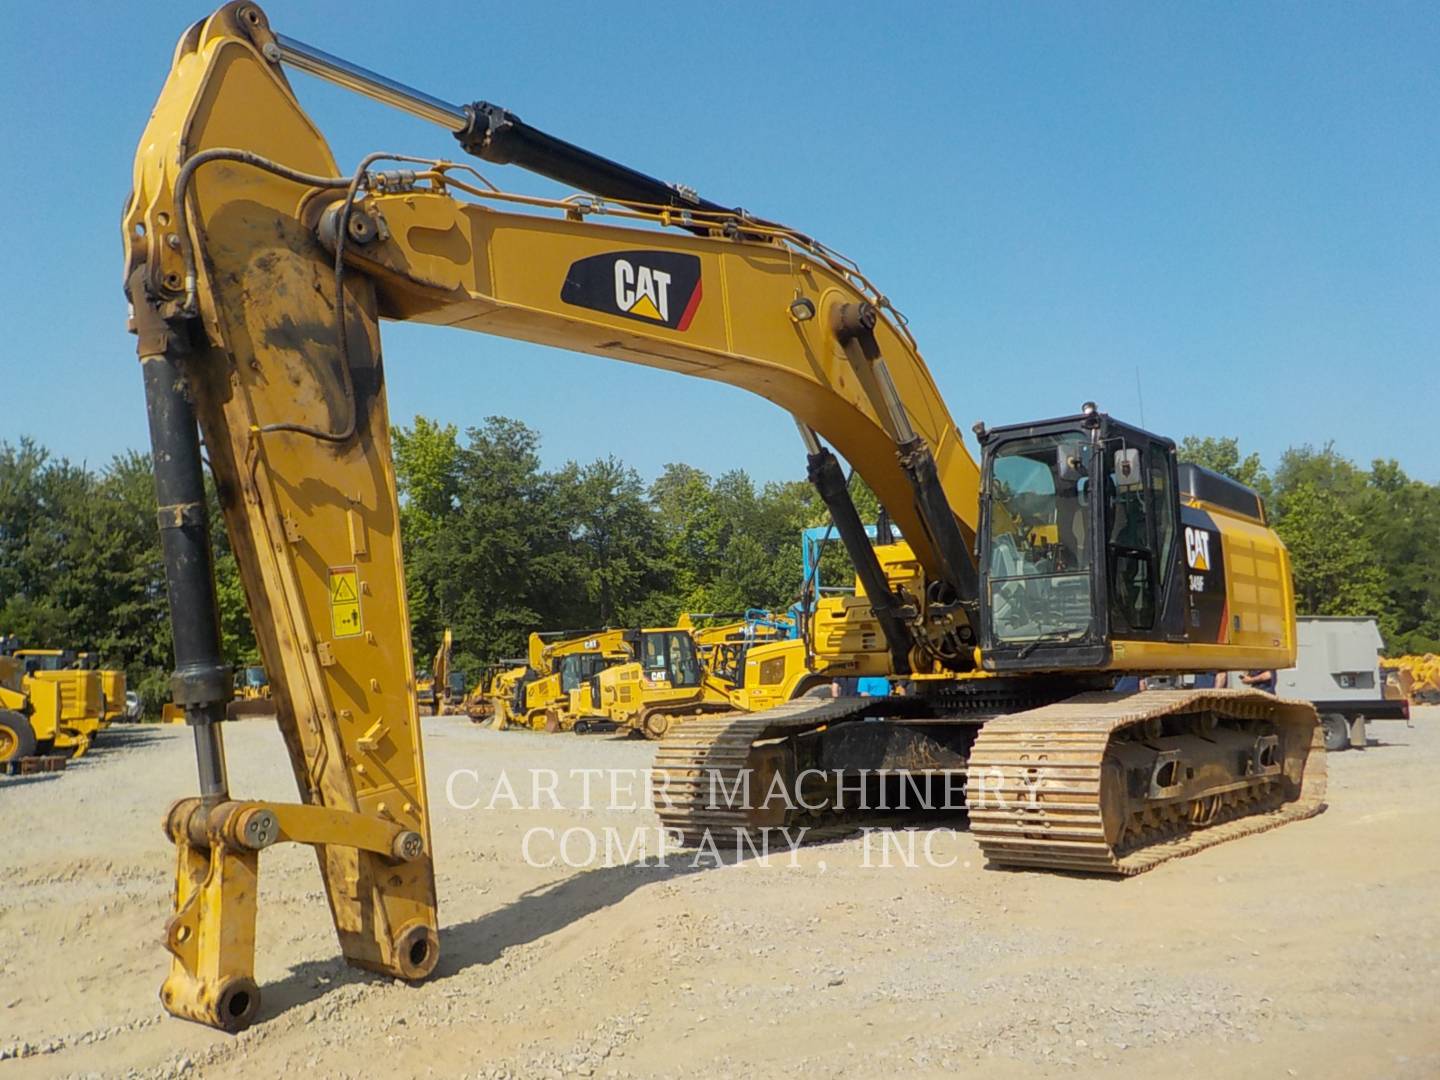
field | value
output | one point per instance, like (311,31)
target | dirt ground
(1313,950)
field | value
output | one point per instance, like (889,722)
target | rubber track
(1037,774)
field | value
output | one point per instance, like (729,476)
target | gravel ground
(1308,951)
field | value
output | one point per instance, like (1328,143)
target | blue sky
(1239,202)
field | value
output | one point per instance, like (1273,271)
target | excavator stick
(247,327)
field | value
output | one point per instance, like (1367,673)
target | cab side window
(1164,512)
(1131,562)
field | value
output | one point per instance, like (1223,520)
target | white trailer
(1337,668)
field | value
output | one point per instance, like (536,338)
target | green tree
(682,500)
(504,567)
(136,627)
(427,471)
(621,553)
(427,477)
(1334,566)
(80,564)
(1402,518)
(1324,470)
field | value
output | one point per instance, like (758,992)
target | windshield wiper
(1058,635)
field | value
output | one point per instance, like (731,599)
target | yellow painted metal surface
(547,704)
(295,506)
(1417,677)
(1259,630)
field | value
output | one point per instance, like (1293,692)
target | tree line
(498,545)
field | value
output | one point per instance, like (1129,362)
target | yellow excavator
(1077,550)
(443,690)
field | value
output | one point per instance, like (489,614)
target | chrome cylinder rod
(323,65)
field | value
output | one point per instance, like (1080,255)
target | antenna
(1140,395)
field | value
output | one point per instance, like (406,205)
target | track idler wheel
(657,725)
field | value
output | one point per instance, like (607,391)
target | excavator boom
(257,274)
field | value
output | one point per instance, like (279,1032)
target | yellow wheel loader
(1076,550)
(29,714)
(68,720)
(112,688)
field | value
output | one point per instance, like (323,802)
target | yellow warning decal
(345,618)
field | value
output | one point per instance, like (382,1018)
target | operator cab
(576,668)
(668,657)
(37,660)
(1078,525)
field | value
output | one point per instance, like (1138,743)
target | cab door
(1142,521)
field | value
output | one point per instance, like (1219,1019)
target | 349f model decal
(661,288)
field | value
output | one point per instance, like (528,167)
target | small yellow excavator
(1075,551)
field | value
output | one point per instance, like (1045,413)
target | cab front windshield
(669,656)
(1038,549)
(45,663)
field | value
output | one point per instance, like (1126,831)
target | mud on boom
(1075,550)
